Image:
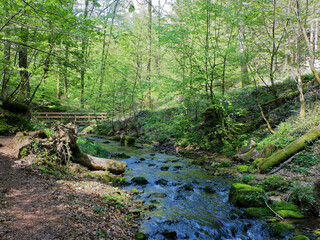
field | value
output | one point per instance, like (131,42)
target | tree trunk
(5,74)
(23,65)
(299,83)
(287,152)
(149,54)
(309,46)
(243,59)
(83,59)
(65,79)
(95,163)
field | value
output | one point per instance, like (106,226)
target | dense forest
(233,84)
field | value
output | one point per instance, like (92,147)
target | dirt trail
(27,209)
(36,206)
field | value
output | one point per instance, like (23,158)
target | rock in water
(140,180)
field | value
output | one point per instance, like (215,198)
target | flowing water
(188,202)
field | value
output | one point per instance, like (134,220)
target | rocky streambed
(181,199)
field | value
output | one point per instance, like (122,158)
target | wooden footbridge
(77,118)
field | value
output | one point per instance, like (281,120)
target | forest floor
(34,205)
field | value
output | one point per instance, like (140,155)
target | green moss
(249,155)
(243,195)
(24,151)
(243,168)
(258,161)
(285,206)
(290,214)
(134,190)
(140,236)
(280,229)
(258,212)
(300,237)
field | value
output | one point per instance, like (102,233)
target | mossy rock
(290,214)
(134,191)
(300,237)
(140,180)
(278,206)
(140,236)
(243,168)
(280,229)
(243,195)
(257,212)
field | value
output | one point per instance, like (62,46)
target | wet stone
(179,197)
(172,235)
(151,165)
(142,159)
(164,168)
(208,189)
(139,180)
(158,195)
(187,187)
(151,207)
(162,182)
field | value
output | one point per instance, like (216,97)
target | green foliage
(89,147)
(247,178)
(304,197)
(307,158)
(114,200)
(274,183)
(290,130)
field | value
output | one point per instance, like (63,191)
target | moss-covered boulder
(278,206)
(258,212)
(290,214)
(280,229)
(300,237)
(287,210)
(243,195)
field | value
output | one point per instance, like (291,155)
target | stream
(182,200)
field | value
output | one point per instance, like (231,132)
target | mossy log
(282,155)
(95,163)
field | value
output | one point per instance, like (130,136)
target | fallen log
(95,163)
(282,155)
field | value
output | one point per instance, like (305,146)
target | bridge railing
(75,117)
